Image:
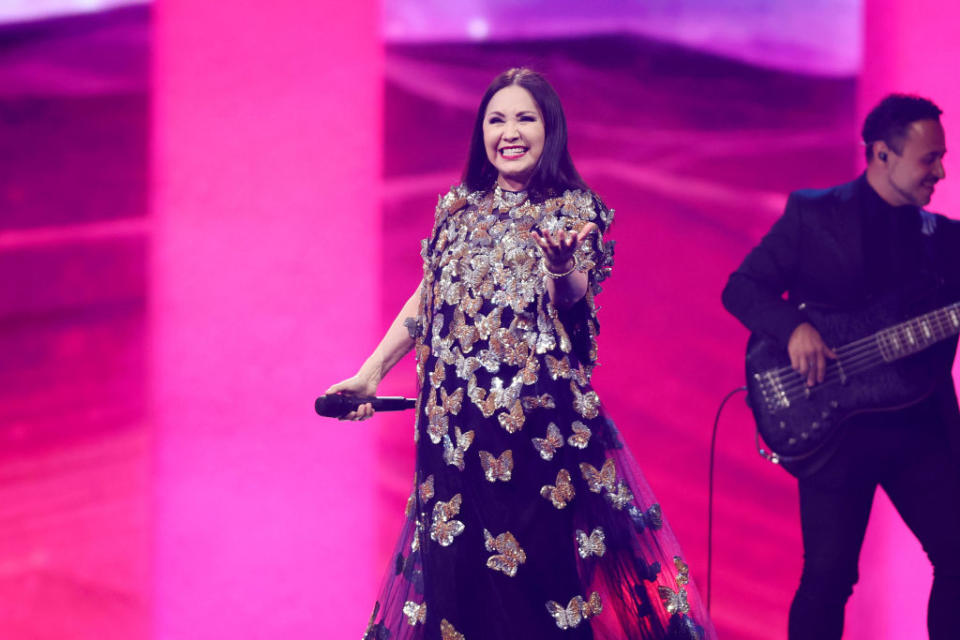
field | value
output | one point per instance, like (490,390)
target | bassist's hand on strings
(808,353)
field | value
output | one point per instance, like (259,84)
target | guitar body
(799,423)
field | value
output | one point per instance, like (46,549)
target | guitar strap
(928,229)
(930,268)
(928,223)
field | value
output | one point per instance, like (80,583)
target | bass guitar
(880,366)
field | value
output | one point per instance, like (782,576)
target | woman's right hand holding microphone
(364,385)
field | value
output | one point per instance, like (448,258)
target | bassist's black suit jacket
(815,253)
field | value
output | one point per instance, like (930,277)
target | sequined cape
(529,519)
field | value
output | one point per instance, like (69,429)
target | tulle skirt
(532,526)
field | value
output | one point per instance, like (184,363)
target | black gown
(529,518)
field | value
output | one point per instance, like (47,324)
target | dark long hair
(554,172)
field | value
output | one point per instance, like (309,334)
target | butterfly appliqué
(451,292)
(444,528)
(510,555)
(439,423)
(581,435)
(448,632)
(514,420)
(593,606)
(605,478)
(544,401)
(471,305)
(548,446)
(558,368)
(529,372)
(683,571)
(453,402)
(465,333)
(438,375)
(487,325)
(423,352)
(437,420)
(586,404)
(508,347)
(560,493)
(484,401)
(466,366)
(561,369)
(416,613)
(546,341)
(426,489)
(591,545)
(652,518)
(568,617)
(453,455)
(497,468)
(576,611)
(621,497)
(676,601)
(442,350)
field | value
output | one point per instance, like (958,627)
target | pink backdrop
(161,472)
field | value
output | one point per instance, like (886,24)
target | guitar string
(847,366)
(864,360)
(865,353)
(869,343)
(846,357)
(852,354)
(797,386)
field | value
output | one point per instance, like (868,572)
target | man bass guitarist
(845,252)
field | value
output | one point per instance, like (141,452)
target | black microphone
(335,405)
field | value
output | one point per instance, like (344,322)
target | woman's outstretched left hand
(559,248)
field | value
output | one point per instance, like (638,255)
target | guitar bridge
(771,389)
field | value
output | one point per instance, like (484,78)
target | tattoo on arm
(413,327)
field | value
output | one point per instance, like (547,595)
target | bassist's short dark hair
(888,121)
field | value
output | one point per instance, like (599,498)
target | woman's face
(513,135)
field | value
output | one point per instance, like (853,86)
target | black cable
(713,451)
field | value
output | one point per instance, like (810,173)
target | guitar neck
(916,334)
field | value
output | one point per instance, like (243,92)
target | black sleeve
(754,292)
